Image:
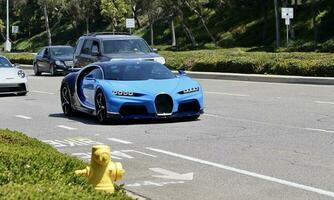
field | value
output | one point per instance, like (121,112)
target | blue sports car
(131,89)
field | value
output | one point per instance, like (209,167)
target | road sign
(15,29)
(130,23)
(287,13)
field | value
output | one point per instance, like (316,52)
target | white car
(12,79)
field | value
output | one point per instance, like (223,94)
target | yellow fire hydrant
(102,172)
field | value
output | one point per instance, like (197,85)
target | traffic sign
(15,29)
(287,13)
(130,23)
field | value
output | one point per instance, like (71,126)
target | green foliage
(116,11)
(31,169)
(21,58)
(242,61)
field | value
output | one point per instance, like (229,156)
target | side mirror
(90,77)
(155,50)
(182,72)
(16,65)
(95,51)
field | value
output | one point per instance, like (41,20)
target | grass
(30,169)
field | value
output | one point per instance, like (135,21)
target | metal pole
(287,35)
(7,21)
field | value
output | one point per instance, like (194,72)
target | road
(255,141)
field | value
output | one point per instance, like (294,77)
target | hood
(8,72)
(154,87)
(63,58)
(138,55)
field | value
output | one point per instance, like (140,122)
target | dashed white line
(248,173)
(66,127)
(228,94)
(321,130)
(23,117)
(325,102)
(42,92)
(119,140)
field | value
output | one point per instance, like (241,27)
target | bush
(21,58)
(237,60)
(33,170)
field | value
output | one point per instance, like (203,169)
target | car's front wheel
(101,108)
(36,70)
(66,100)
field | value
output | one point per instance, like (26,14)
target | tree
(197,7)
(314,23)
(278,39)
(116,11)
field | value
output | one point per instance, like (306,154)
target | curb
(251,77)
(135,195)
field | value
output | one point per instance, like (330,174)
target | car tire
(52,71)
(66,100)
(101,108)
(36,70)
(22,94)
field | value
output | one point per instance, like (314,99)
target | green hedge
(30,169)
(238,60)
(20,58)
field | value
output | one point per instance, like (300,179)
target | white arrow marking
(22,117)
(172,175)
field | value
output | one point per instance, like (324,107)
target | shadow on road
(91,120)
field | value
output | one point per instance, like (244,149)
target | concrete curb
(251,77)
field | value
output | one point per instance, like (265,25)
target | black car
(101,47)
(54,60)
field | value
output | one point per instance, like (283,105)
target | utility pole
(8,44)
(278,41)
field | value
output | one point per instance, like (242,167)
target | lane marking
(269,124)
(119,141)
(228,94)
(248,173)
(66,127)
(41,92)
(23,117)
(324,102)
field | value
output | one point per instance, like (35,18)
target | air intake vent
(164,104)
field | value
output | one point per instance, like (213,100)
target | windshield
(62,51)
(137,71)
(125,46)
(4,63)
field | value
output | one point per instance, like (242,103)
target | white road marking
(23,117)
(228,94)
(41,92)
(139,152)
(172,175)
(248,173)
(268,123)
(324,102)
(66,127)
(119,140)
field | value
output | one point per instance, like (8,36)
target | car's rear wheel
(36,70)
(66,101)
(101,108)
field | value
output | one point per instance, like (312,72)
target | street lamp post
(8,44)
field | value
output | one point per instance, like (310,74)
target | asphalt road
(256,141)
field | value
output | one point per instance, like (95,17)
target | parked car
(128,89)
(100,47)
(12,79)
(54,60)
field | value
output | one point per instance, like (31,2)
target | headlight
(160,60)
(122,93)
(59,63)
(190,90)
(21,74)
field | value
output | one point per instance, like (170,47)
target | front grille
(192,106)
(13,88)
(164,104)
(133,110)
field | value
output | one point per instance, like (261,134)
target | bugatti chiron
(131,89)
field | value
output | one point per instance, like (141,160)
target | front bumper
(13,88)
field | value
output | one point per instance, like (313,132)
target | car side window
(86,49)
(46,52)
(95,73)
(41,52)
(96,45)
